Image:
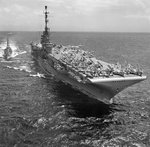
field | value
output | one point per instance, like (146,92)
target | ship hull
(101,88)
(94,91)
(7,53)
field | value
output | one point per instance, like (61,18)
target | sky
(76,15)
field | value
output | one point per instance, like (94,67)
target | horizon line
(76,31)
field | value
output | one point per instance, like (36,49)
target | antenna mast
(45,37)
(7,41)
(46,19)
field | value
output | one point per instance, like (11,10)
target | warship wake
(80,69)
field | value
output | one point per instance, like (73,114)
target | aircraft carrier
(80,69)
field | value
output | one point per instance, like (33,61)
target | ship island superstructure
(79,68)
(7,51)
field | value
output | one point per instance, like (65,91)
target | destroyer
(7,51)
(79,68)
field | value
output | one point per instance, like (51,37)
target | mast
(7,41)
(46,19)
(45,37)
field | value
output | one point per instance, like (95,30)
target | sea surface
(39,111)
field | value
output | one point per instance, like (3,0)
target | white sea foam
(14,47)
(5,61)
(21,68)
(18,53)
(27,69)
(37,75)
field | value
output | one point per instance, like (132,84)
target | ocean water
(39,111)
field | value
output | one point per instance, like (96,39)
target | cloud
(81,7)
(17,16)
(140,9)
(74,14)
(96,8)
